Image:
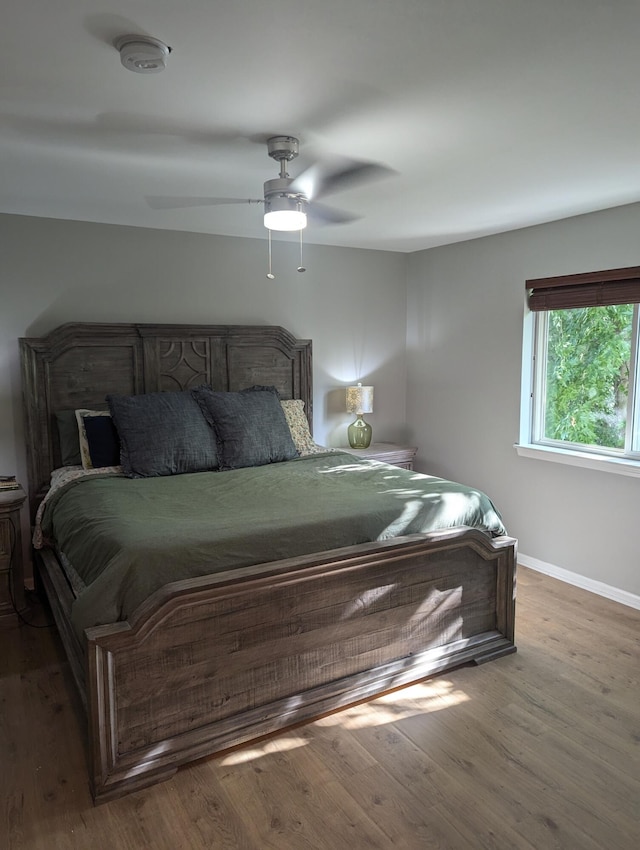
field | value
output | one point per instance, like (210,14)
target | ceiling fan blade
(169,202)
(321,214)
(323,178)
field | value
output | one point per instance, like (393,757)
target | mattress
(126,538)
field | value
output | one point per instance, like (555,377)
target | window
(581,377)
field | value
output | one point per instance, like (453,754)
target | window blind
(590,289)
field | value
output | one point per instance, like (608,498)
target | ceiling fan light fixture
(142,54)
(285,220)
(284,213)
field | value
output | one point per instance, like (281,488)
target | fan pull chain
(270,274)
(301,268)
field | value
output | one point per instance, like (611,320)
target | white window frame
(531,445)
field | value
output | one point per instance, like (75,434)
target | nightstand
(12,596)
(389,453)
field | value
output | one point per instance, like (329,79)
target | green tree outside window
(587,375)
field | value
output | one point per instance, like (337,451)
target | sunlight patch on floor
(286,741)
(422,698)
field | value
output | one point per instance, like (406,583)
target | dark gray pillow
(251,427)
(162,434)
(256,388)
(68,437)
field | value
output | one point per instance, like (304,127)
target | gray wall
(444,323)
(465,309)
(350,302)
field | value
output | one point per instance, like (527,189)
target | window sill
(619,466)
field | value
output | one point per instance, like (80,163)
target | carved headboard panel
(78,364)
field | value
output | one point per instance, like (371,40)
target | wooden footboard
(210,663)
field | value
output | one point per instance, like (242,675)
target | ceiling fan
(290,201)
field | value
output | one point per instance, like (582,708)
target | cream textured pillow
(299,427)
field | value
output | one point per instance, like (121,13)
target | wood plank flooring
(539,750)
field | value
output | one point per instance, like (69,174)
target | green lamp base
(359,433)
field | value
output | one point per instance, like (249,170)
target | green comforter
(128,537)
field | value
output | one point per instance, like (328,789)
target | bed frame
(210,663)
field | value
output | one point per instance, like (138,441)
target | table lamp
(359,401)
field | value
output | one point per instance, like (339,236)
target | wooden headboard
(78,364)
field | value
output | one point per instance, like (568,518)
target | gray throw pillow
(162,434)
(69,438)
(251,427)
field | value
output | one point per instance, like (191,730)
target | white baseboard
(599,587)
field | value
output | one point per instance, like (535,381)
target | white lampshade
(359,399)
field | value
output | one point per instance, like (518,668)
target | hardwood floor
(540,749)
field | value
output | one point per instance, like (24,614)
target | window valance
(590,289)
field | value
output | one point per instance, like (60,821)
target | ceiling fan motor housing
(278,196)
(283,148)
(280,186)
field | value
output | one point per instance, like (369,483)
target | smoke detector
(142,54)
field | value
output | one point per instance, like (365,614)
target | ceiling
(491,114)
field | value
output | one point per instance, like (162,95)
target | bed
(248,643)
